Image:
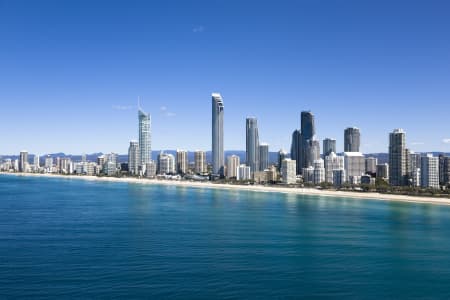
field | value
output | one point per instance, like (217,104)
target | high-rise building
(218,163)
(36,161)
(166,164)
(429,171)
(150,169)
(252,144)
(182,162)
(354,165)
(383,171)
(447,171)
(243,172)
(332,162)
(49,162)
(23,161)
(133,158)
(371,165)
(83,158)
(288,171)
(338,177)
(200,162)
(296,150)
(414,166)
(397,157)
(319,171)
(263,156)
(64,165)
(329,145)
(442,169)
(145,145)
(233,162)
(352,139)
(281,156)
(309,146)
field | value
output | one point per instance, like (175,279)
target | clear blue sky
(71,71)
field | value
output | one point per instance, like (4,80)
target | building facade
(329,145)
(145,146)
(263,156)
(218,163)
(352,139)
(397,157)
(429,172)
(133,158)
(233,162)
(252,144)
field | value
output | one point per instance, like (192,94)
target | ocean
(69,238)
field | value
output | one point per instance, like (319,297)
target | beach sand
(253,188)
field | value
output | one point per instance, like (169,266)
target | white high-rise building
(218,162)
(133,158)
(319,171)
(430,172)
(332,162)
(243,173)
(182,161)
(145,146)
(233,162)
(354,165)
(289,171)
(166,164)
(200,162)
(49,163)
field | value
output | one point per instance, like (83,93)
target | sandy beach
(253,188)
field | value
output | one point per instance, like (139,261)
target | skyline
(73,87)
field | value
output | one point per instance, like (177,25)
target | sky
(71,72)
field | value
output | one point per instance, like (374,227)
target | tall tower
(145,146)
(309,147)
(296,150)
(263,156)
(217,135)
(397,157)
(133,158)
(252,144)
(182,162)
(329,145)
(352,139)
(23,161)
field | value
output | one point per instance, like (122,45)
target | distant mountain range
(273,156)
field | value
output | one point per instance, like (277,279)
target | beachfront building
(243,173)
(354,165)
(282,155)
(308,174)
(182,164)
(288,171)
(352,139)
(332,162)
(218,164)
(263,156)
(319,171)
(166,164)
(233,162)
(338,177)
(200,162)
(133,158)
(397,158)
(252,144)
(23,161)
(430,171)
(371,165)
(145,146)
(383,171)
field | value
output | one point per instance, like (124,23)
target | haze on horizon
(71,72)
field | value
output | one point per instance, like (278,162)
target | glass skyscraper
(252,144)
(217,135)
(145,146)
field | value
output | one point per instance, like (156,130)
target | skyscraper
(397,157)
(166,164)
(263,156)
(133,158)
(288,172)
(281,156)
(429,171)
(233,162)
(371,165)
(182,161)
(295,150)
(23,161)
(352,139)
(217,134)
(145,146)
(309,146)
(329,145)
(355,166)
(252,144)
(332,162)
(200,162)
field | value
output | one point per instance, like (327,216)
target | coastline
(251,188)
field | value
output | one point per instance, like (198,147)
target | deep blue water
(62,238)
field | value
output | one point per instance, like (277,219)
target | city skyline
(377,77)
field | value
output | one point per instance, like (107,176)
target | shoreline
(251,188)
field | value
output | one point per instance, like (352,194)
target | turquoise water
(63,238)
